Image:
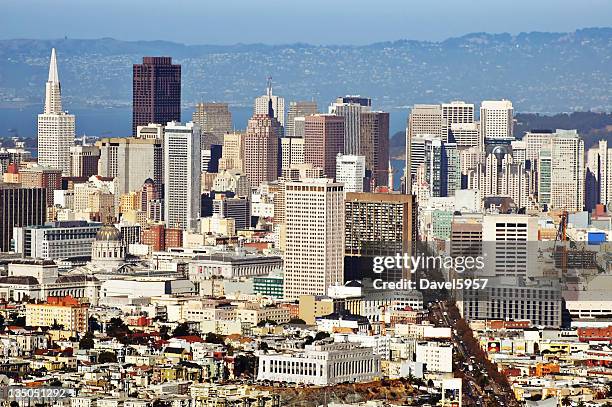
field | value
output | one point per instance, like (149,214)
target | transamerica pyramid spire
(53,77)
(55,127)
(53,98)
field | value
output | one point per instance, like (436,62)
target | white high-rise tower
(55,127)
(182,174)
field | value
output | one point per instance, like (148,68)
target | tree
(263,323)
(321,335)
(430,385)
(566,401)
(245,365)
(57,326)
(297,321)
(181,330)
(17,320)
(93,323)
(263,346)
(87,341)
(107,357)
(163,332)
(212,337)
(116,328)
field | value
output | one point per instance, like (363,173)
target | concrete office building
(232,154)
(466,135)
(374,144)
(379,224)
(510,244)
(298,109)
(261,149)
(84,161)
(131,161)
(314,247)
(423,119)
(350,108)
(497,121)
(515,298)
(350,170)
(214,119)
(292,151)
(56,240)
(567,171)
(42,177)
(323,141)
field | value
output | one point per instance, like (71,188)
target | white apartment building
(437,357)
(55,127)
(314,244)
(321,364)
(496,120)
(182,175)
(350,170)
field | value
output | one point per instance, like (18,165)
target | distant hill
(592,127)
(539,72)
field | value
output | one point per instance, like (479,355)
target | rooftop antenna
(269,86)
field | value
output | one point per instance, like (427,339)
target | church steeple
(53,97)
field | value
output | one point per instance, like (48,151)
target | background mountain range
(539,72)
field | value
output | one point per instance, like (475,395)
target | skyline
(358,25)
(284,224)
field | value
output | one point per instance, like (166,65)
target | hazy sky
(287,21)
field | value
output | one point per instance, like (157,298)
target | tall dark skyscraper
(20,207)
(156,88)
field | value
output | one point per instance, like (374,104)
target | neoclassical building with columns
(39,279)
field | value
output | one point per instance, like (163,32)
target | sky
(288,21)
